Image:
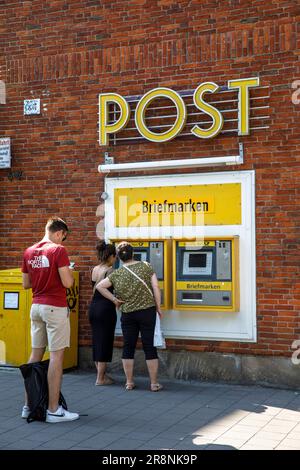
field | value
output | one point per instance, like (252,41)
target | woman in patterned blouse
(137,293)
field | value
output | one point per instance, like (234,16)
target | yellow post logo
(243,86)
(214,113)
(142,108)
(107,127)
(104,127)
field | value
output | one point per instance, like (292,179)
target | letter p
(2,92)
(107,127)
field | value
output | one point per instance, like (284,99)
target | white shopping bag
(158,340)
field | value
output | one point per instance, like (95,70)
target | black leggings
(139,321)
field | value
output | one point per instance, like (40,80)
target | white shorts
(50,326)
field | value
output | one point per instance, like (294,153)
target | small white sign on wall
(32,107)
(5,155)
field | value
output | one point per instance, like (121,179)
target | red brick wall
(67,52)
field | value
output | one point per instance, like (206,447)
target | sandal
(129,386)
(156,387)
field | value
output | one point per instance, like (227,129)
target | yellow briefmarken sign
(191,205)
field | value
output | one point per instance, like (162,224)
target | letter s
(296,94)
(214,113)
(295,359)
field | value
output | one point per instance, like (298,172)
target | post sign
(110,123)
(5,155)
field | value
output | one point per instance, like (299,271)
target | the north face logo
(39,262)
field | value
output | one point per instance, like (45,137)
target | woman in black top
(102,314)
(136,285)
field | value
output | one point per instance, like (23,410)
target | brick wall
(67,52)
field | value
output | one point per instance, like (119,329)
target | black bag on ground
(36,386)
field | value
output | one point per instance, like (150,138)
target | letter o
(141,109)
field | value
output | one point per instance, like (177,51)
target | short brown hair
(125,251)
(55,224)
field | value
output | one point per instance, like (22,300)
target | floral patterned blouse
(130,289)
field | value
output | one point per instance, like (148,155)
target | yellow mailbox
(15,303)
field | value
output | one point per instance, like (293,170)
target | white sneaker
(25,412)
(60,416)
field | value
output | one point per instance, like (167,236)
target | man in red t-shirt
(46,270)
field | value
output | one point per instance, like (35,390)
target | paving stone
(125,444)
(185,416)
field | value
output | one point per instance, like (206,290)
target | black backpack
(36,386)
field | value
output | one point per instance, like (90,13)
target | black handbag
(36,386)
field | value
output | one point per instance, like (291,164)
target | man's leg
(55,373)
(56,413)
(35,356)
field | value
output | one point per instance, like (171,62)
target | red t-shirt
(41,261)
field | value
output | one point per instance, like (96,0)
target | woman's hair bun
(125,251)
(101,245)
(105,250)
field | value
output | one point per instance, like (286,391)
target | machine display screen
(140,256)
(197,260)
(197,263)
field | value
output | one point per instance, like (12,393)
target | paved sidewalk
(189,416)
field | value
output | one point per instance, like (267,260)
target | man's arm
(26,281)
(66,276)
